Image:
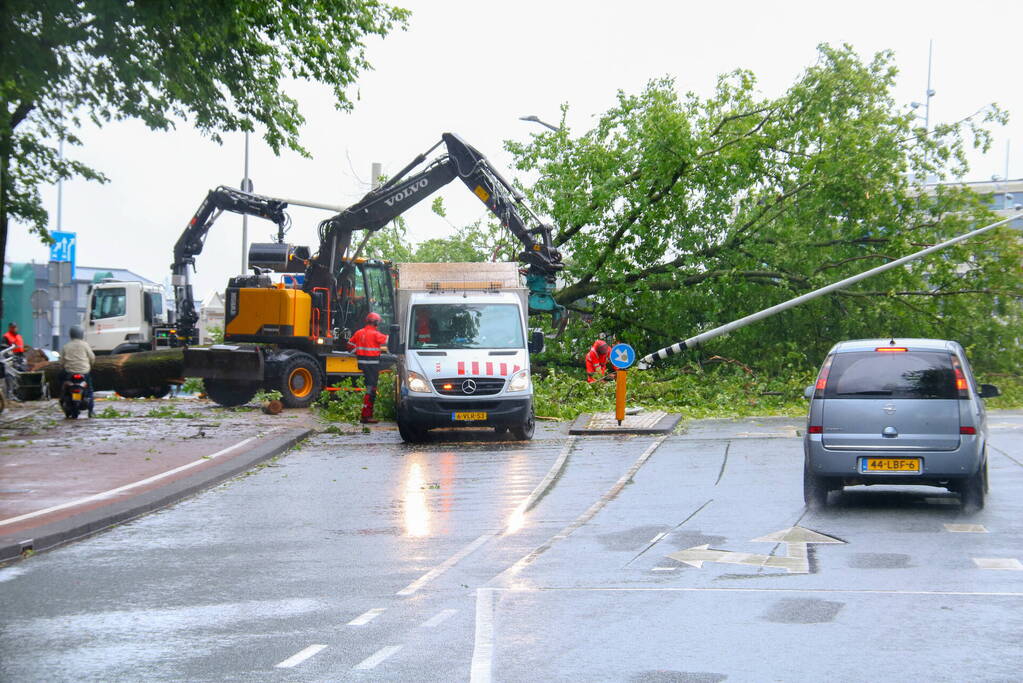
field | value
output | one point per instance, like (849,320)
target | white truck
(463,350)
(126,316)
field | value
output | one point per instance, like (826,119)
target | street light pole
(246,187)
(536,119)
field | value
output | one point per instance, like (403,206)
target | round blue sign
(622,356)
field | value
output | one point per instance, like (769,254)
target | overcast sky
(474,68)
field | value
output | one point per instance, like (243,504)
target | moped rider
(76,358)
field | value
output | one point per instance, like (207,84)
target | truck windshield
(108,303)
(465,326)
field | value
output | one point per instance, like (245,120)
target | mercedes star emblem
(469,386)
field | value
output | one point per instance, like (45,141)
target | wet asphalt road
(379,561)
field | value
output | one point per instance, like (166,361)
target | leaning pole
(648,360)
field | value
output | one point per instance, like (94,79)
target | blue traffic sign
(622,356)
(63,248)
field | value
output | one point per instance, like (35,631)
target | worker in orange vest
(367,343)
(13,339)
(597,360)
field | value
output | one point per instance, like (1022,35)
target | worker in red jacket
(597,360)
(367,343)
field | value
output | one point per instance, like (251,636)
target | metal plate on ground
(647,422)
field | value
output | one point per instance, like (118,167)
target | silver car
(896,411)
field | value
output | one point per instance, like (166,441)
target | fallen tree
(147,373)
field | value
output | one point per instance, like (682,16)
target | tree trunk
(127,371)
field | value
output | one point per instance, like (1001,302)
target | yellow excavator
(291,336)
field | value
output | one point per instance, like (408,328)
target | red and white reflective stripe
(490,368)
(461,367)
(475,367)
(515,369)
(504,369)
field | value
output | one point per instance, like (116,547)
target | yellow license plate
(77,396)
(468,417)
(890,465)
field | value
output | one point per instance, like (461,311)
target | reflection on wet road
(546,560)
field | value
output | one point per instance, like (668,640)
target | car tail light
(967,430)
(822,378)
(892,349)
(77,377)
(961,385)
(815,429)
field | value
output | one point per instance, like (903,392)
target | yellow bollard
(620,396)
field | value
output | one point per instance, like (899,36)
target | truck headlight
(519,382)
(417,383)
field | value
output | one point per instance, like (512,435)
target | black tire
(132,393)
(971,493)
(159,391)
(524,431)
(229,393)
(815,489)
(410,433)
(71,410)
(300,382)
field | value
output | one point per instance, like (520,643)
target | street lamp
(930,91)
(536,119)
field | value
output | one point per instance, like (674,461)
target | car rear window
(873,374)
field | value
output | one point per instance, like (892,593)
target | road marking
(820,591)
(440,618)
(998,563)
(796,561)
(367,617)
(374,659)
(296,659)
(517,518)
(126,487)
(966,528)
(664,569)
(481,670)
(444,566)
(610,495)
(657,537)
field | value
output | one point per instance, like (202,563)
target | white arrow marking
(623,356)
(795,561)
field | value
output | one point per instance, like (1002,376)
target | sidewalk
(64,479)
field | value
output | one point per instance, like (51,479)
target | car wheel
(524,431)
(228,393)
(972,491)
(410,433)
(815,489)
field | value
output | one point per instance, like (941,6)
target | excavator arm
(193,238)
(403,191)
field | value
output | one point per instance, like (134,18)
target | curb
(48,536)
(666,425)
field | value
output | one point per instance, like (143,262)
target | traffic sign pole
(620,381)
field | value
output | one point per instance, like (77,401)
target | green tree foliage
(220,65)
(680,213)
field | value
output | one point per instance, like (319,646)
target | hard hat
(76,332)
(373,319)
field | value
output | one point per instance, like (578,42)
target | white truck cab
(463,352)
(125,316)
